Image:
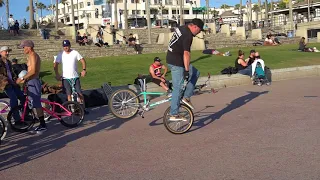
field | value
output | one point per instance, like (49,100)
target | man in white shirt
(11,25)
(69,59)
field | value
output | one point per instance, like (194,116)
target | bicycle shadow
(21,149)
(236,103)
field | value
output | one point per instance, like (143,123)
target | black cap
(66,43)
(198,22)
(14,60)
(252,51)
(157,59)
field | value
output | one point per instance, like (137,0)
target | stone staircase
(47,49)
(143,34)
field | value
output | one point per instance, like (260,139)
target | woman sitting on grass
(242,65)
(303,44)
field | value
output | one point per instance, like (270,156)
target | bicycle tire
(3,128)
(130,94)
(77,110)
(6,106)
(29,120)
(166,121)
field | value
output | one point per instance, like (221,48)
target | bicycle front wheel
(14,119)
(4,107)
(124,103)
(76,117)
(179,126)
(3,128)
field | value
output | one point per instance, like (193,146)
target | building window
(81,5)
(89,15)
(120,1)
(96,13)
(165,11)
(175,12)
(186,12)
(132,1)
(88,4)
(139,12)
(317,12)
(144,11)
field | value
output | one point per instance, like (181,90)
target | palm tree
(64,2)
(51,8)
(7,9)
(1,3)
(256,9)
(31,24)
(125,14)
(56,18)
(115,14)
(41,6)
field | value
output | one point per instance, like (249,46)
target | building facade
(98,12)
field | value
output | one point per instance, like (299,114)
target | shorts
(34,93)
(68,88)
(156,81)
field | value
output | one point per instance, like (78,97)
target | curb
(223,81)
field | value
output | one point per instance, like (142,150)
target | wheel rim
(178,127)
(122,107)
(76,116)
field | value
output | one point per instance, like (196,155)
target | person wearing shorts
(157,77)
(33,81)
(69,59)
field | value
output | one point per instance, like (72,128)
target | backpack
(229,70)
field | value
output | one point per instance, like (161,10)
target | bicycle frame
(51,112)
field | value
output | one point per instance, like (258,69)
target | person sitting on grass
(215,52)
(242,65)
(303,46)
(157,77)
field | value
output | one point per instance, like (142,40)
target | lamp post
(120,24)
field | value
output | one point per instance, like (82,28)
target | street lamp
(121,12)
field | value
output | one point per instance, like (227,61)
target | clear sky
(18,7)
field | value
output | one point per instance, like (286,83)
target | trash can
(290,34)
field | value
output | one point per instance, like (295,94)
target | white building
(97,12)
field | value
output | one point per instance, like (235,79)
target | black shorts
(67,85)
(156,81)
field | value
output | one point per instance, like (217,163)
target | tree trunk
(41,14)
(7,11)
(266,12)
(56,23)
(31,13)
(115,14)
(125,15)
(181,12)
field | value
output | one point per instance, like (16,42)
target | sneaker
(177,118)
(40,129)
(169,94)
(187,102)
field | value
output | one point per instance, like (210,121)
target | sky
(18,7)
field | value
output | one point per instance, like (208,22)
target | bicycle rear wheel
(121,107)
(17,124)
(76,117)
(4,107)
(3,128)
(179,127)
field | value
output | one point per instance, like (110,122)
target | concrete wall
(240,31)
(226,29)
(256,34)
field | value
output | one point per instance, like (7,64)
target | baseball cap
(26,43)
(5,48)
(198,22)
(157,59)
(15,60)
(66,43)
(252,51)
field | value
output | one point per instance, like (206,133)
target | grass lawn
(121,70)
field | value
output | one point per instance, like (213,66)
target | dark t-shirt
(181,41)
(238,66)
(251,60)
(131,39)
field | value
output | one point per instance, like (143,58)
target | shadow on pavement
(198,124)
(20,148)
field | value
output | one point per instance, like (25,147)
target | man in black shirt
(178,59)
(132,42)
(251,57)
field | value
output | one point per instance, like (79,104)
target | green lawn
(120,70)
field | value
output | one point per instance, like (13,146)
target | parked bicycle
(69,109)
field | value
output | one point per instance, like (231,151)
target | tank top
(239,66)
(157,70)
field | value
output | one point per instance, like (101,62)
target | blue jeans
(14,93)
(177,83)
(246,71)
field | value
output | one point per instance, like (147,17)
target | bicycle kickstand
(142,113)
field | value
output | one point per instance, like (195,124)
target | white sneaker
(177,118)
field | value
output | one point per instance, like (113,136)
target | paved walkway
(240,133)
